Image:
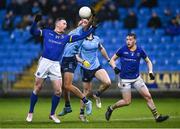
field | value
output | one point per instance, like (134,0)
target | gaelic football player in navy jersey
(68,66)
(130,56)
(54,42)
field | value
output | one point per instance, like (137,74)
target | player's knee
(38,86)
(127,102)
(148,97)
(58,92)
(108,83)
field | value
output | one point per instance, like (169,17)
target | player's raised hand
(117,70)
(38,18)
(151,75)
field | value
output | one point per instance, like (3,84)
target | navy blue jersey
(54,43)
(130,61)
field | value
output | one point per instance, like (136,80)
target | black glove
(38,18)
(151,75)
(117,70)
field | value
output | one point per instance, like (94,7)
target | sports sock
(67,104)
(84,100)
(33,100)
(54,103)
(81,111)
(155,113)
(98,93)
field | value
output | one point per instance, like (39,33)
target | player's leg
(66,94)
(125,101)
(57,86)
(101,75)
(40,74)
(87,91)
(143,90)
(34,97)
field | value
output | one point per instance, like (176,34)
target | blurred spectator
(73,12)
(26,21)
(35,8)
(102,16)
(112,12)
(125,3)
(173,28)
(2,4)
(26,7)
(167,16)
(8,21)
(148,4)
(15,7)
(45,6)
(178,19)
(155,21)
(130,21)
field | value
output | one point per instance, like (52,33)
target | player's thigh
(126,95)
(103,76)
(42,68)
(55,71)
(142,88)
(38,82)
(57,85)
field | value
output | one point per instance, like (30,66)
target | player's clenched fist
(38,18)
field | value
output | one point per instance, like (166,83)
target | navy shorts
(88,75)
(68,64)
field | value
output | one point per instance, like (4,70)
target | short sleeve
(119,52)
(100,42)
(143,54)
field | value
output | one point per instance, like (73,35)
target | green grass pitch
(137,115)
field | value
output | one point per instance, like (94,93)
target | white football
(84,12)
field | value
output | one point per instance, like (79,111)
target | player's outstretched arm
(74,38)
(84,62)
(150,68)
(34,29)
(104,53)
(113,64)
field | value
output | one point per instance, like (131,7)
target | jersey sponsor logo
(132,54)
(53,41)
(51,34)
(126,53)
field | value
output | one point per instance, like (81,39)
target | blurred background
(156,23)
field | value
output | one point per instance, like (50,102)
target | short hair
(59,19)
(132,35)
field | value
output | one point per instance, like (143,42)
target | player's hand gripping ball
(85,12)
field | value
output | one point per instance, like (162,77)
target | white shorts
(125,84)
(48,68)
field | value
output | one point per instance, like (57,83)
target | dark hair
(132,35)
(60,18)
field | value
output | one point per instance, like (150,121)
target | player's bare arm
(104,53)
(150,68)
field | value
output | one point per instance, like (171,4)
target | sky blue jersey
(71,49)
(54,43)
(130,61)
(89,51)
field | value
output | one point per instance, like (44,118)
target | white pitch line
(120,119)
